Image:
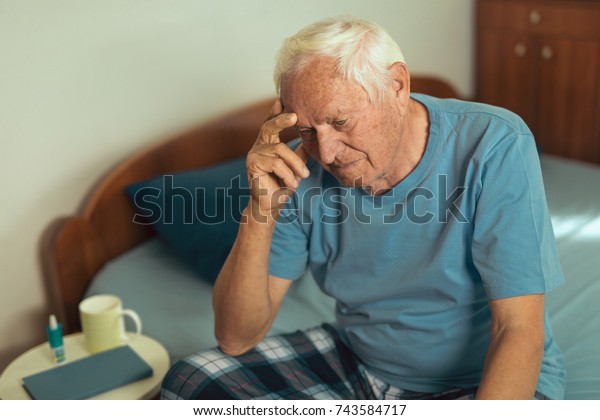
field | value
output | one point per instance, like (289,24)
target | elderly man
(424,218)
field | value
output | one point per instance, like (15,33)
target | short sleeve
(513,247)
(289,246)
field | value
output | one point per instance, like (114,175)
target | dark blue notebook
(89,376)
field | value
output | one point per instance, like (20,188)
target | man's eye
(340,122)
(306,133)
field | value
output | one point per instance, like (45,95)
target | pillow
(196,213)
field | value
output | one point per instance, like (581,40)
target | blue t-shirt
(412,270)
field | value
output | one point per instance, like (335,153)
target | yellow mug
(102,321)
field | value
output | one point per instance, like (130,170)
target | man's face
(356,141)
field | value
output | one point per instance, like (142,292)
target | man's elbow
(234,350)
(233,346)
(234,339)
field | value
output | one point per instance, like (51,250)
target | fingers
(302,153)
(271,164)
(270,158)
(270,130)
(275,122)
(280,169)
(296,160)
(276,109)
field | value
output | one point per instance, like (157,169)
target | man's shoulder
(460,112)
(485,114)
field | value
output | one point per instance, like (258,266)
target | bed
(103,248)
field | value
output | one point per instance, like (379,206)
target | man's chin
(359,183)
(351,182)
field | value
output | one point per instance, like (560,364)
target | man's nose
(329,146)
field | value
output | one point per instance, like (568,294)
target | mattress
(175,304)
(176,309)
(573,194)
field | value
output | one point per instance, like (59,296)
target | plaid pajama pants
(312,364)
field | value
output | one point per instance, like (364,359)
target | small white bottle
(55,338)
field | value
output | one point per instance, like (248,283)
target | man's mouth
(337,167)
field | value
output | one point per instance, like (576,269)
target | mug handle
(136,320)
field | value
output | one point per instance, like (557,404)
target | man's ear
(401,79)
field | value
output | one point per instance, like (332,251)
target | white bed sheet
(573,193)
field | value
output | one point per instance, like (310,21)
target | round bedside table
(38,359)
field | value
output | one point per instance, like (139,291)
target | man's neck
(412,146)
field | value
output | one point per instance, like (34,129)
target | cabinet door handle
(547,53)
(520,49)
(535,17)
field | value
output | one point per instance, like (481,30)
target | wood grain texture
(541,60)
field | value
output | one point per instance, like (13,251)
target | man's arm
(245,297)
(514,358)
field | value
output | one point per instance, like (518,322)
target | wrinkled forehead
(318,87)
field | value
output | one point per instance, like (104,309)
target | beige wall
(84,83)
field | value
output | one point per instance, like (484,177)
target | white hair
(363,51)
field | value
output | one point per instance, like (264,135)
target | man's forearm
(245,298)
(241,297)
(512,365)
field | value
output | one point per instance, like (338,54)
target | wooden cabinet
(541,59)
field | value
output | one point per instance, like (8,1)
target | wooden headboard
(75,248)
